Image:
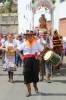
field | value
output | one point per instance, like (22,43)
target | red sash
(29,56)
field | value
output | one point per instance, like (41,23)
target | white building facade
(60,17)
(24,15)
(26,21)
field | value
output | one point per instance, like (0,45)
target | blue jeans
(18,59)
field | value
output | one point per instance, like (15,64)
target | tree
(10,2)
(8,8)
(2,1)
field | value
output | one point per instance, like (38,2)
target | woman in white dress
(9,64)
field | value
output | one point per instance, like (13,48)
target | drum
(46,49)
(52,58)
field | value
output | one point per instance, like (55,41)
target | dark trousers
(43,65)
(31,72)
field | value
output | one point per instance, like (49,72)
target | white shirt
(19,42)
(30,50)
(44,41)
(10,44)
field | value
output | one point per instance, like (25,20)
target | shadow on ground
(60,72)
(18,81)
(49,94)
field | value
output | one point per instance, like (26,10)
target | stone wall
(8,23)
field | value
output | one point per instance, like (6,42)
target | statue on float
(42,22)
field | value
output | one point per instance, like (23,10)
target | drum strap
(42,43)
(48,41)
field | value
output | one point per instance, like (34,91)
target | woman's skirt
(9,64)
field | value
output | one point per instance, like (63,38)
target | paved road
(47,91)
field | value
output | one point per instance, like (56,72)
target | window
(62,1)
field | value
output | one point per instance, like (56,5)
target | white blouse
(30,50)
(10,44)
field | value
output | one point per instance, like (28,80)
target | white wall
(62,10)
(38,14)
(21,12)
(48,16)
(24,23)
(28,15)
(56,15)
(59,13)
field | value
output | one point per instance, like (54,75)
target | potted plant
(53,1)
(33,1)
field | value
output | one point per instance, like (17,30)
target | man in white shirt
(19,42)
(45,67)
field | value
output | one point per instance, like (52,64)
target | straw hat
(43,32)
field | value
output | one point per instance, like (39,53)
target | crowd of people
(28,49)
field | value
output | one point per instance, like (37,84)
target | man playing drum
(47,43)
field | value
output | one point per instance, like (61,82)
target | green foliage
(10,2)
(8,7)
(33,1)
(2,1)
(53,1)
(2,11)
(14,11)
